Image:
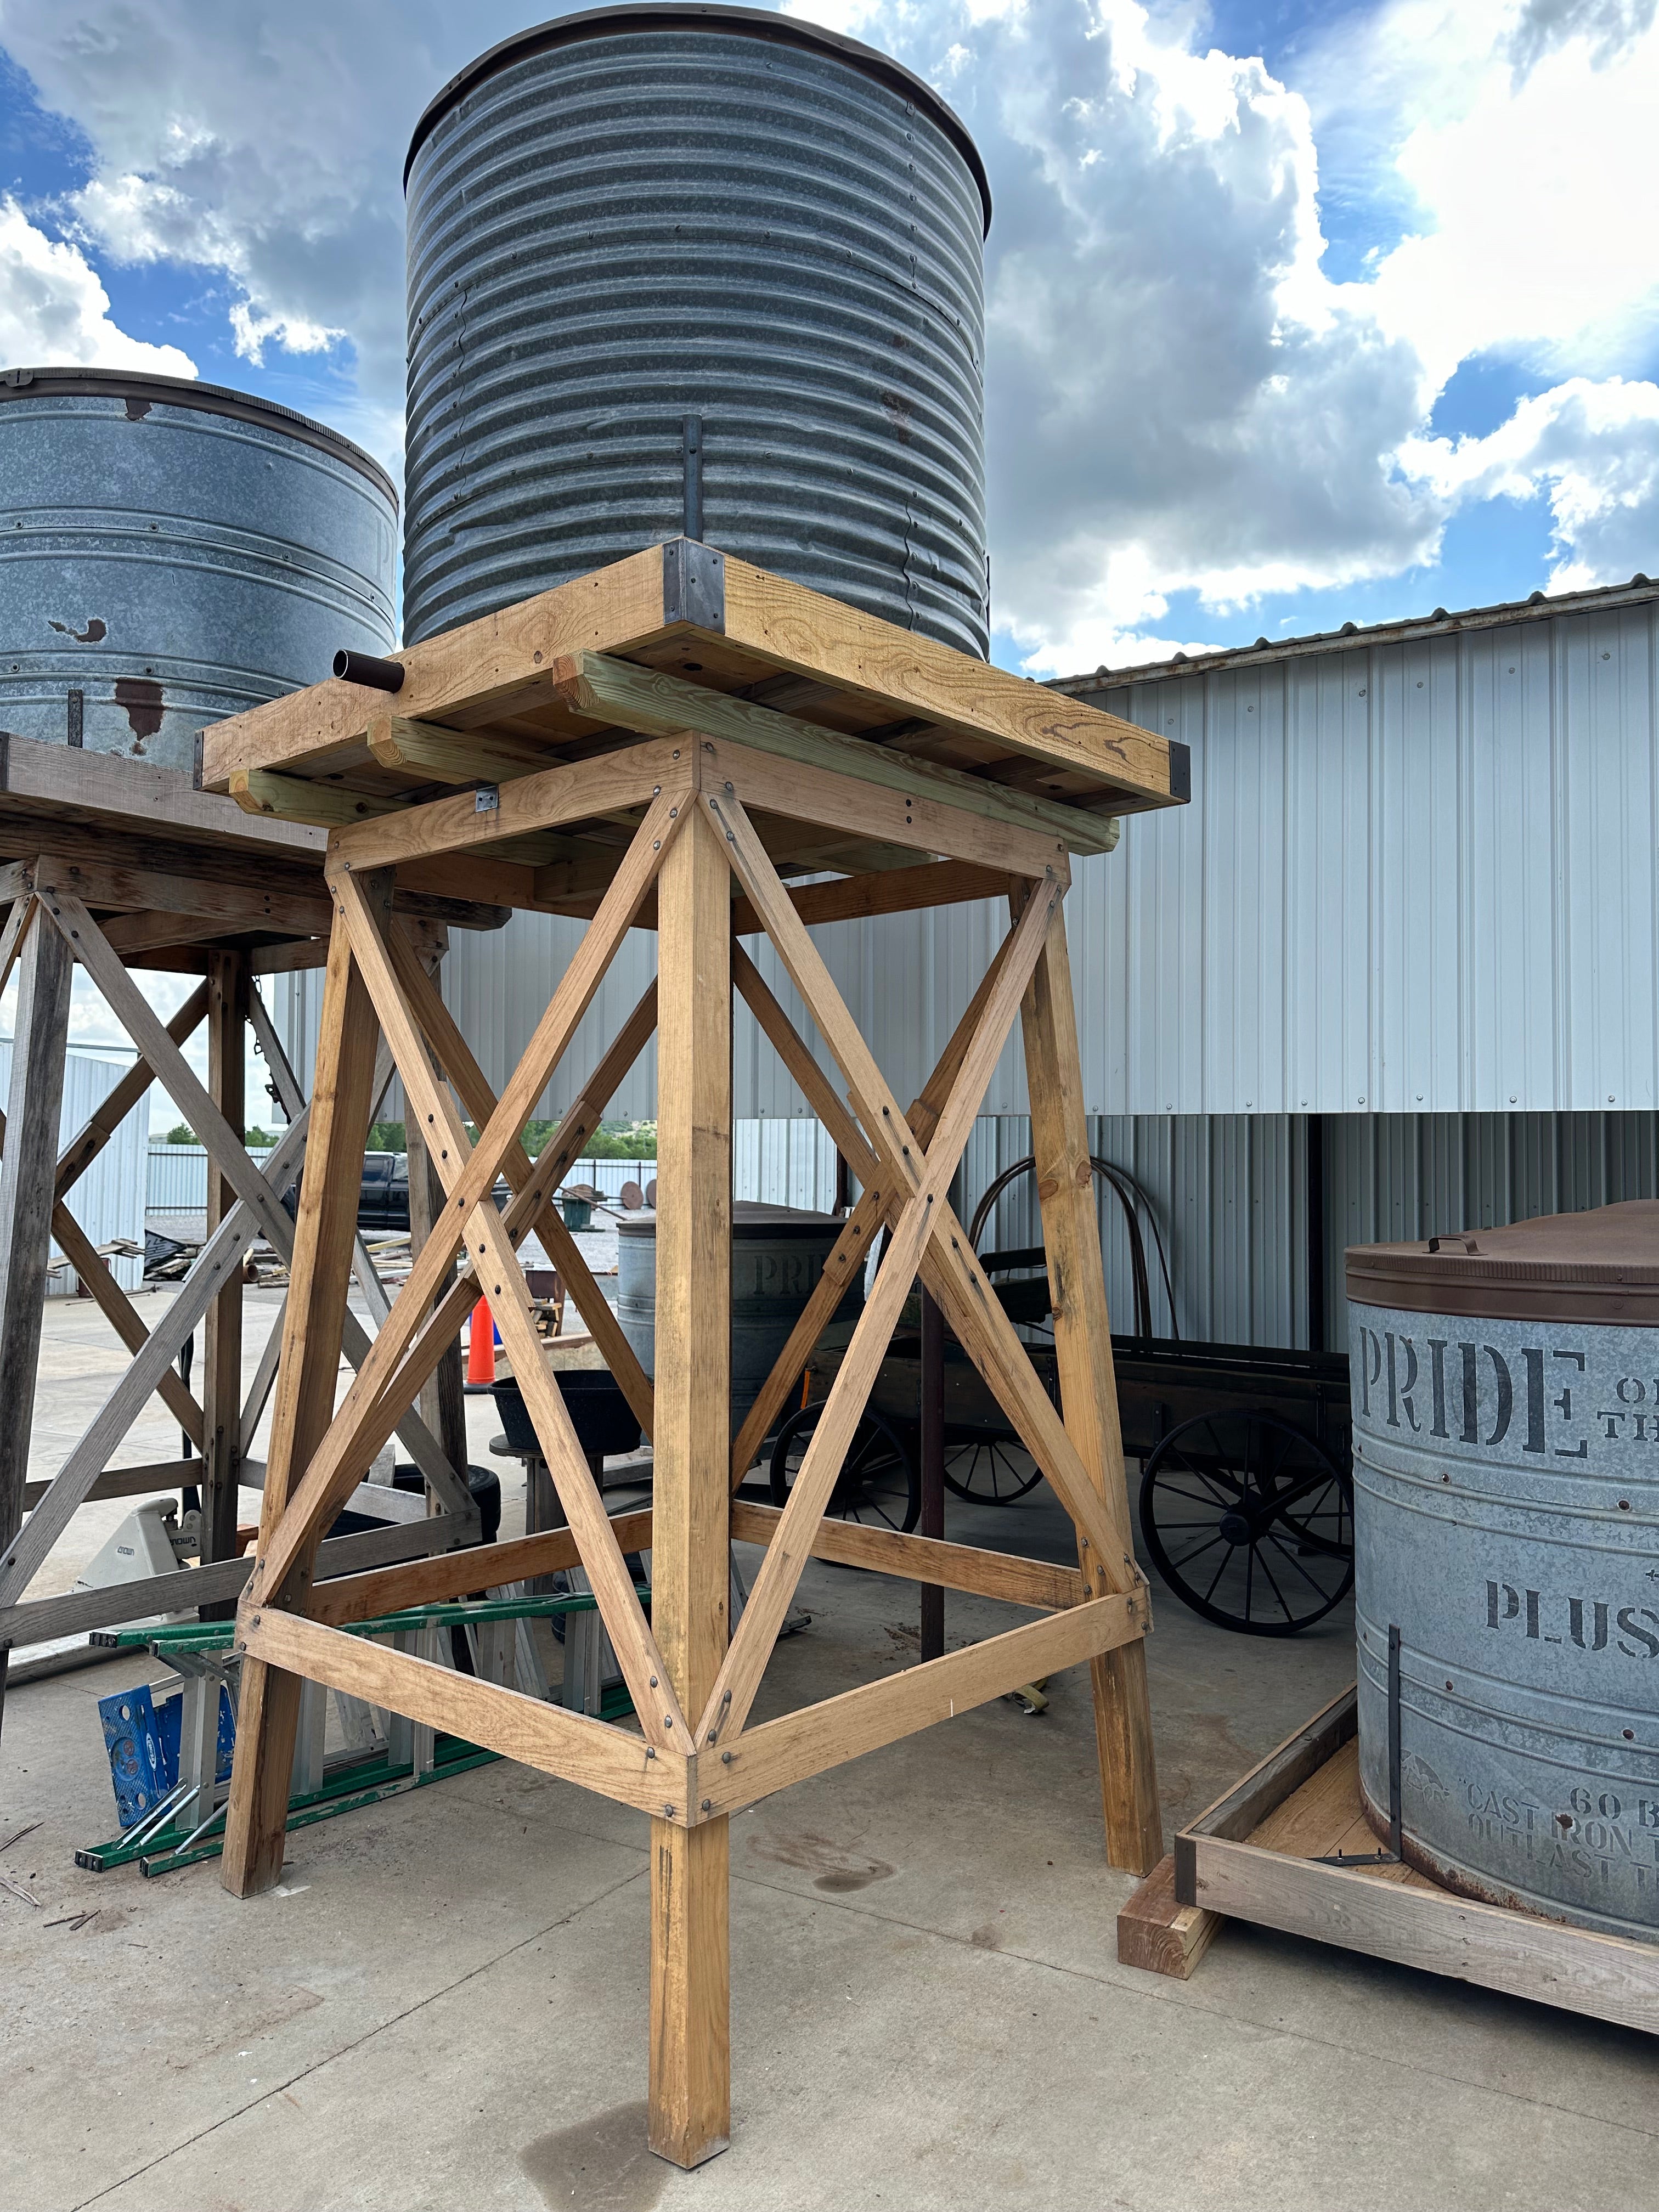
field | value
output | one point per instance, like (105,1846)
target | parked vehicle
(383,1202)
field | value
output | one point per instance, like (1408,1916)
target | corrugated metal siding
(784,1163)
(176,1177)
(1229,1195)
(903,982)
(1421,877)
(1395,1177)
(1416,876)
(108,1201)
(1231,1192)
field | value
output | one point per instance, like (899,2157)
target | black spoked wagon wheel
(878,1485)
(1250,1521)
(990,1470)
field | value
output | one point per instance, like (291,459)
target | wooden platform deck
(680,638)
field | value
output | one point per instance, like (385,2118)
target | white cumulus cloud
(1517,141)
(1593,447)
(54,310)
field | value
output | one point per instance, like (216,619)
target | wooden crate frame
(678,805)
(1256,1855)
(114,864)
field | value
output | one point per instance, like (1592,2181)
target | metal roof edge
(1352,637)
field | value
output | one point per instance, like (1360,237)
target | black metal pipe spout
(365,668)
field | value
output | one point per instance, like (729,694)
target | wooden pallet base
(1256,1855)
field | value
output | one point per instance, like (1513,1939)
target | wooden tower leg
(442,1401)
(28,1178)
(222,1326)
(1088,1386)
(342,1100)
(690,2107)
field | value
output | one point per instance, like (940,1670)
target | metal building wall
(1233,1193)
(906,987)
(108,1201)
(1416,894)
(1228,1194)
(1395,1177)
(1414,875)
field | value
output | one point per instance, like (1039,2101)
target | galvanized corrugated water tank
(171,553)
(637,215)
(778,1253)
(1506,1521)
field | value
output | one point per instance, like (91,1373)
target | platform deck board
(506,682)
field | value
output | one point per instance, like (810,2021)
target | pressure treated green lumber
(657,705)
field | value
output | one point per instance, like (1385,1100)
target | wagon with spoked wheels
(1245,1495)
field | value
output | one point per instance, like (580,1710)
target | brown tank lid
(1602,1265)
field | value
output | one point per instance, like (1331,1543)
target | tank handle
(1466,1242)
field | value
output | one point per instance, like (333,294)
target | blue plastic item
(142,1742)
(138,1763)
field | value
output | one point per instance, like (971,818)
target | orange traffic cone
(481,1345)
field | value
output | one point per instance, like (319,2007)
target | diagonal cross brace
(950,1269)
(581,1118)
(876,1203)
(388,1378)
(225,1147)
(489,1247)
(447,1483)
(11,937)
(454,1056)
(211,1272)
(924,1179)
(153,1357)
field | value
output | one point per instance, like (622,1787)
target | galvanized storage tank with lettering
(173,552)
(778,1253)
(634,216)
(1505,1390)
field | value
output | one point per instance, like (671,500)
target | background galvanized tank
(777,1258)
(171,553)
(1506,1520)
(633,216)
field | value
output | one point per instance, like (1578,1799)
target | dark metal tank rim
(188,391)
(692,14)
(1491,1298)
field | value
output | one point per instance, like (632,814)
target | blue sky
(1291,322)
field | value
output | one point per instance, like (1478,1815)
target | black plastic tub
(603,1420)
(482,1482)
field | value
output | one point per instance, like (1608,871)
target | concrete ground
(445,2003)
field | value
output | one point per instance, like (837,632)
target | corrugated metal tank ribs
(635,215)
(172,553)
